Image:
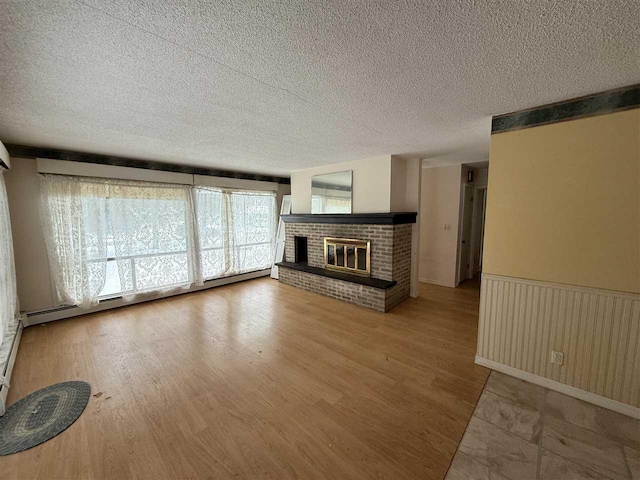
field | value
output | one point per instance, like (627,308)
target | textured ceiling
(274,86)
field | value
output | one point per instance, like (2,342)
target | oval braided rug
(42,415)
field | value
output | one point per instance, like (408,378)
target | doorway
(464,258)
(473,205)
(477,231)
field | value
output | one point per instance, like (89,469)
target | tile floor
(520,431)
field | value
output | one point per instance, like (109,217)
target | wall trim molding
(575,288)
(589,397)
(73,156)
(63,312)
(601,103)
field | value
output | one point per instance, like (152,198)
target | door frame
(474,239)
(466,187)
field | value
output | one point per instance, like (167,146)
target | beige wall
(371,185)
(35,291)
(561,266)
(480,177)
(399,199)
(564,203)
(413,187)
(439,206)
(406,184)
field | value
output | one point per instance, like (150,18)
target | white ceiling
(279,85)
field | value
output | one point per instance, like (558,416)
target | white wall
(413,186)
(371,185)
(439,207)
(480,177)
(35,290)
(398,200)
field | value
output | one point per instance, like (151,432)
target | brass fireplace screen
(348,255)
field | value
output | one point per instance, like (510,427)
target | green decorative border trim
(602,103)
(56,154)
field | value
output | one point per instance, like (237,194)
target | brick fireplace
(388,279)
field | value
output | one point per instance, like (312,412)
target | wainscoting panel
(522,321)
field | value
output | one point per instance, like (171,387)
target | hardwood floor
(258,380)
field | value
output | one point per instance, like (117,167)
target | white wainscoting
(522,321)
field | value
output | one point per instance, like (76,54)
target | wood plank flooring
(258,380)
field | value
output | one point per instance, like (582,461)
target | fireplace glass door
(347,255)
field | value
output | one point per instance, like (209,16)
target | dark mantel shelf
(367,281)
(393,218)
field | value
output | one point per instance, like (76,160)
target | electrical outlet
(557,357)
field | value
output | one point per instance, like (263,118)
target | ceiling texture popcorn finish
(273,86)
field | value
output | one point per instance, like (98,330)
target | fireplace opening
(347,255)
(301,253)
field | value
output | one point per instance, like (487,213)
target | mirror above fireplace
(331,192)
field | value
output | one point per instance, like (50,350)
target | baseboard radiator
(7,369)
(598,331)
(62,312)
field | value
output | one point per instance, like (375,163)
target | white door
(465,237)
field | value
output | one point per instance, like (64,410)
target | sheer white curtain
(9,309)
(116,236)
(252,230)
(74,224)
(236,229)
(211,214)
(153,236)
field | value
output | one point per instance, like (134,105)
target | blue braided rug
(42,415)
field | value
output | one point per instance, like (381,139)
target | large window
(212,232)
(113,237)
(236,230)
(253,218)
(147,243)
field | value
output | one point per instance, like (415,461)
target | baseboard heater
(68,311)
(8,367)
